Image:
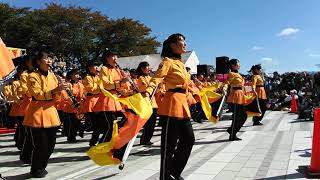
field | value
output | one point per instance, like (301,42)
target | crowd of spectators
(305,87)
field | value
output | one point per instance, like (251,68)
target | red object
(6,131)
(131,127)
(294,108)
(221,77)
(315,155)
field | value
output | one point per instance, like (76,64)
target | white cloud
(314,55)
(257,48)
(269,64)
(266,60)
(288,32)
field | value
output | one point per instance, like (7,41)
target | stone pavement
(272,151)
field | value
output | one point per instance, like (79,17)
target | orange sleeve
(90,85)
(81,89)
(16,91)
(107,80)
(7,92)
(254,82)
(162,71)
(35,88)
(228,82)
(78,90)
(142,84)
(23,81)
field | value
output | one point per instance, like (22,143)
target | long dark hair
(70,74)
(107,53)
(139,70)
(38,56)
(233,62)
(21,62)
(254,68)
(166,49)
(88,65)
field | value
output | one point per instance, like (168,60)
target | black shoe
(180,178)
(91,145)
(72,141)
(146,143)
(25,160)
(89,129)
(234,138)
(81,133)
(175,178)
(229,130)
(18,146)
(257,123)
(39,173)
(199,121)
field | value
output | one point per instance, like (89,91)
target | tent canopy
(189,58)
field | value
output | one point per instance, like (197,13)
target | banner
(7,69)
(16,52)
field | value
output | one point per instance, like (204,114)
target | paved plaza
(272,151)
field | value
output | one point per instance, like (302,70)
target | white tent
(189,58)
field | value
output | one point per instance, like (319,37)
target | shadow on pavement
(301,121)
(9,153)
(19,177)
(79,141)
(16,163)
(7,146)
(149,152)
(297,175)
(76,149)
(19,163)
(68,159)
(305,152)
(106,177)
(212,142)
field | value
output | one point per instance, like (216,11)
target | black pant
(20,132)
(177,139)
(43,140)
(263,108)
(96,127)
(26,151)
(199,112)
(195,114)
(148,128)
(119,153)
(61,117)
(105,121)
(239,117)
(72,126)
(105,126)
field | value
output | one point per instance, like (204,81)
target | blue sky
(283,35)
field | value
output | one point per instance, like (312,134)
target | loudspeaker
(222,65)
(205,69)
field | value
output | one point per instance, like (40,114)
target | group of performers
(44,101)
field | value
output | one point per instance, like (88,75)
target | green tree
(128,37)
(74,34)
(13,29)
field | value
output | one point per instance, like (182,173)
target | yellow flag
(206,94)
(249,98)
(251,105)
(101,154)
(139,104)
